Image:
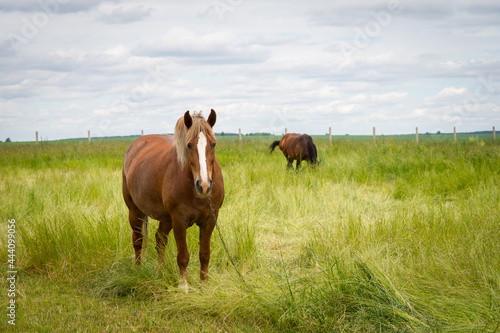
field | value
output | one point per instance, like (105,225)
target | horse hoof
(183,286)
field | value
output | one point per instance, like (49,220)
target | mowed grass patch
(392,236)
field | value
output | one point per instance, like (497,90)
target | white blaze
(202,145)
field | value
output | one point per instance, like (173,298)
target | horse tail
(311,151)
(273,145)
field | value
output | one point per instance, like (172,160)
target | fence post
(239,133)
(286,130)
(374,137)
(89,136)
(416,135)
(454,134)
(330,134)
(36,137)
(494,138)
(142,132)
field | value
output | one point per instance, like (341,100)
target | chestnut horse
(297,148)
(175,180)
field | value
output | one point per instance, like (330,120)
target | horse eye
(213,145)
(190,146)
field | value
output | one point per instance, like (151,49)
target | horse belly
(145,196)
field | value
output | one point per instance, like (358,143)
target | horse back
(145,147)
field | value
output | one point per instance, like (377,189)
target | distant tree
(8,140)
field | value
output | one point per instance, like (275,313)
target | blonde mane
(183,135)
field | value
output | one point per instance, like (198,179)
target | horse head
(200,149)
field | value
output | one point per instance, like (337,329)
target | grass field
(392,236)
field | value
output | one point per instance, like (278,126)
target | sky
(119,67)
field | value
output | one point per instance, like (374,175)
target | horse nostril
(198,186)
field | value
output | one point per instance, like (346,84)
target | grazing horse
(176,180)
(298,148)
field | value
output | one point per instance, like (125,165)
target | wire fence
(331,136)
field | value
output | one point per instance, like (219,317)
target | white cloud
(448,95)
(123,15)
(347,108)
(53,7)
(219,47)
(429,65)
(389,98)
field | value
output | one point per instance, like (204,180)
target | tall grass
(393,236)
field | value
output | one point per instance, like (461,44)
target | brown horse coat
(170,179)
(297,147)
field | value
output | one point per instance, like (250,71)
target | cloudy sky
(116,67)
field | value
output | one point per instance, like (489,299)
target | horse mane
(311,150)
(183,135)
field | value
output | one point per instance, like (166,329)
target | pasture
(392,236)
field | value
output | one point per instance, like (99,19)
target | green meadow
(386,237)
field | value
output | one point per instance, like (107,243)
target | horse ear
(188,121)
(212,118)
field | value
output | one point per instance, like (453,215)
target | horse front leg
(205,235)
(180,226)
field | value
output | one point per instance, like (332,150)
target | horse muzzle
(204,187)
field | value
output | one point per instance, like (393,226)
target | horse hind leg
(162,239)
(139,224)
